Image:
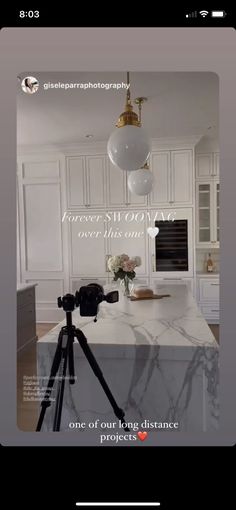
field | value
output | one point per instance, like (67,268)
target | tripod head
(88,298)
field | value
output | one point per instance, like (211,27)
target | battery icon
(218,14)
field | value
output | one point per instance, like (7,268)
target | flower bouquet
(123,268)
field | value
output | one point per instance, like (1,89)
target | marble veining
(159,358)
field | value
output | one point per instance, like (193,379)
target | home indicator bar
(119,504)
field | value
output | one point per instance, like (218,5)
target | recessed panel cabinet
(173,178)
(86,181)
(207,165)
(118,194)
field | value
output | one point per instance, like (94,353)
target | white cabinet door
(209,289)
(129,235)
(88,247)
(158,282)
(116,186)
(160,167)
(43,228)
(86,178)
(204,166)
(76,182)
(181,177)
(96,178)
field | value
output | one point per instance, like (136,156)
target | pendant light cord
(128,89)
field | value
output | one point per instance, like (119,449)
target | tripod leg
(119,413)
(67,343)
(46,400)
(71,363)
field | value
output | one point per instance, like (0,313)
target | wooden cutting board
(155,296)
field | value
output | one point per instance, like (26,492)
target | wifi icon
(204,13)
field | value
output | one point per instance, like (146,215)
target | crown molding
(85,148)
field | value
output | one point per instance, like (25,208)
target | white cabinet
(209,289)
(118,194)
(160,167)
(207,165)
(207,210)
(87,242)
(158,282)
(208,297)
(182,177)
(86,181)
(173,178)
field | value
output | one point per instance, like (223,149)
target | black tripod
(64,354)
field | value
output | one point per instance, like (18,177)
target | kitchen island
(159,358)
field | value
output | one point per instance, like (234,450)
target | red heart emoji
(142,435)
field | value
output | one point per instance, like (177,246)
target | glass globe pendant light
(128,146)
(140,182)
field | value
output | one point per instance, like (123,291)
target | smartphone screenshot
(118,237)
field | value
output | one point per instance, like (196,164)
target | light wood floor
(27,412)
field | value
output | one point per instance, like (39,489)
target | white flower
(114,263)
(124,257)
(137,261)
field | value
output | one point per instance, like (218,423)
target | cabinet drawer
(25,297)
(210,312)
(174,281)
(82,282)
(209,290)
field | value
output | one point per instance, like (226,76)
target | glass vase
(127,286)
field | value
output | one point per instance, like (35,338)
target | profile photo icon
(29,85)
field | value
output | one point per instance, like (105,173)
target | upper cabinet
(118,193)
(86,181)
(93,181)
(208,208)
(207,200)
(207,165)
(173,178)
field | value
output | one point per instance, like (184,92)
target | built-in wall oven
(172,248)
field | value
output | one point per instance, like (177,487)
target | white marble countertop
(23,286)
(173,321)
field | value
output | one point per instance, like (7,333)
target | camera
(88,298)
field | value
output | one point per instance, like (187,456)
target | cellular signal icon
(204,13)
(191,15)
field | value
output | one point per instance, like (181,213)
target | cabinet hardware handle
(171,201)
(214,310)
(178,279)
(215,284)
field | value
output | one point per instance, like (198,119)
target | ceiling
(179,104)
